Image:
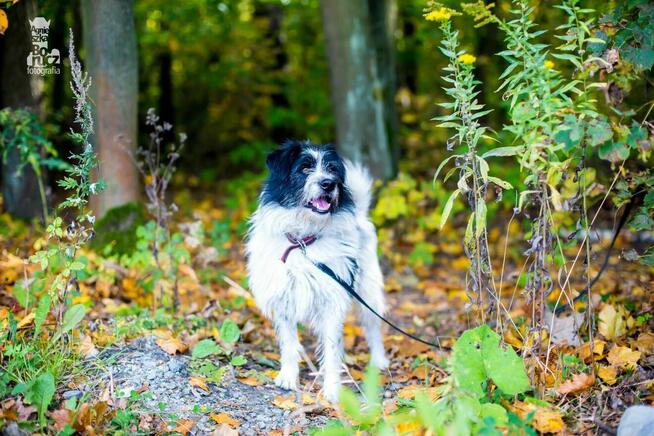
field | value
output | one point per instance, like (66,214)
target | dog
(313,208)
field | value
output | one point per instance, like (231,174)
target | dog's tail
(359,183)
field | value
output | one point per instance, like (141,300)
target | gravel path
(142,365)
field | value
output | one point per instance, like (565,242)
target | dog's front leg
(330,336)
(290,348)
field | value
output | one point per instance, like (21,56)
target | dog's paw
(287,380)
(331,391)
(380,361)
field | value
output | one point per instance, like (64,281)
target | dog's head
(308,176)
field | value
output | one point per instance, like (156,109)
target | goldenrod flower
(441,14)
(467,59)
(548,64)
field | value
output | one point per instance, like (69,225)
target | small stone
(637,421)
(72,394)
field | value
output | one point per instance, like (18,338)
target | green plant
(474,180)
(464,405)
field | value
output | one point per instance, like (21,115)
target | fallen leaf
(598,350)
(224,430)
(608,374)
(224,418)
(579,383)
(184,426)
(171,345)
(26,321)
(285,402)
(86,347)
(4,22)
(410,392)
(199,382)
(61,418)
(623,357)
(250,381)
(611,322)
(545,419)
(645,343)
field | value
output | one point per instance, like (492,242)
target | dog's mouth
(322,204)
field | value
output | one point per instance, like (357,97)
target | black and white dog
(314,209)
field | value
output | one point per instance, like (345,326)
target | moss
(118,228)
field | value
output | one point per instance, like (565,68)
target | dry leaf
(184,426)
(199,382)
(598,350)
(61,418)
(608,374)
(286,403)
(171,345)
(623,357)
(645,343)
(611,322)
(26,321)
(224,418)
(579,383)
(250,381)
(545,420)
(4,22)
(410,392)
(224,430)
(86,347)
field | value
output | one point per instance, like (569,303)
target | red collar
(297,243)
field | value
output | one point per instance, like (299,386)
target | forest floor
(141,370)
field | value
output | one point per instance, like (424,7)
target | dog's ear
(281,160)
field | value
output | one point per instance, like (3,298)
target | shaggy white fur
(297,291)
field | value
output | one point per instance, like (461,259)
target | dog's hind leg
(290,348)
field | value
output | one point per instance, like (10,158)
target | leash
(303,243)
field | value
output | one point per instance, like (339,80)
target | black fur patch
(287,165)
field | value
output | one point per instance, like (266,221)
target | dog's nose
(327,184)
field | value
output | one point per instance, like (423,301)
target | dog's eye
(305,167)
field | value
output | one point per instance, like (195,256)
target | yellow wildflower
(467,59)
(441,14)
(548,64)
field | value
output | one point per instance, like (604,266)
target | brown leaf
(224,418)
(645,343)
(199,382)
(184,426)
(579,383)
(170,344)
(250,381)
(410,392)
(61,418)
(86,347)
(225,430)
(545,419)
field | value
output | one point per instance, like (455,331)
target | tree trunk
(358,36)
(19,90)
(111,60)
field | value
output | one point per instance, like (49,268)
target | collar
(297,243)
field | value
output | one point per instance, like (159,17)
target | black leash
(350,290)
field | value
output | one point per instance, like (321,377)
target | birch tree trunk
(111,60)
(360,49)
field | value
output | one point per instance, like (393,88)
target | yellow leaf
(608,373)
(26,321)
(250,381)
(4,22)
(645,343)
(545,419)
(623,357)
(286,403)
(224,418)
(579,383)
(611,322)
(199,382)
(411,391)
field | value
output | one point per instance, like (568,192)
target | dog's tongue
(320,203)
